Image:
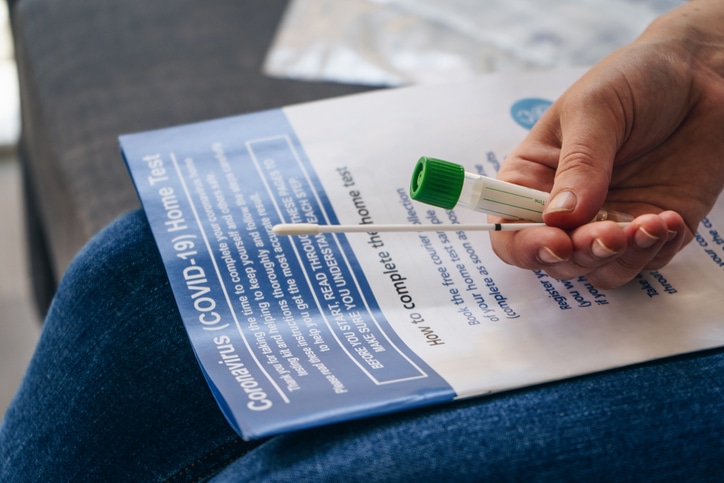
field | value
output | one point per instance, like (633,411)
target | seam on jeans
(209,472)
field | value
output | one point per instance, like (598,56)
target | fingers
(533,248)
(593,124)
(651,242)
(576,141)
(677,236)
(607,254)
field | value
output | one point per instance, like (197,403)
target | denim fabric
(114,393)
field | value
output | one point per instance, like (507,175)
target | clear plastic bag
(395,42)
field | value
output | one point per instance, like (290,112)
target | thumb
(589,142)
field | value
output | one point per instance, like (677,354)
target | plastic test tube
(447,185)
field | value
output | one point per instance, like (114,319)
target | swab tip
(292,229)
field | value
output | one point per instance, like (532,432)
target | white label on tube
(510,201)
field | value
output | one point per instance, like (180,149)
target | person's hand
(641,133)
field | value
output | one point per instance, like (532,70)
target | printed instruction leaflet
(293,332)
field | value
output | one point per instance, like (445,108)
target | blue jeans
(114,393)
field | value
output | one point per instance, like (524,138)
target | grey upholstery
(93,69)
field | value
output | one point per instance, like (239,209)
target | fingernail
(563,201)
(600,250)
(644,239)
(672,235)
(546,255)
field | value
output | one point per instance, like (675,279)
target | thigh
(656,421)
(114,389)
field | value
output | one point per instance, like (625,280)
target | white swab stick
(313,229)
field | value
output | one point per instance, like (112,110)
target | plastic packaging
(400,42)
(447,185)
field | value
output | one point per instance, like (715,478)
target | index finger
(532,248)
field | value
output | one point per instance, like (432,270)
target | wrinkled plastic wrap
(397,42)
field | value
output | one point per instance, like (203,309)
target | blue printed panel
(286,330)
(345,303)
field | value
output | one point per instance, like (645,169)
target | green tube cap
(437,182)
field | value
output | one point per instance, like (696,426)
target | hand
(641,133)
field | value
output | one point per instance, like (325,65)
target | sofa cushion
(93,69)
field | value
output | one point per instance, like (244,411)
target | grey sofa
(90,70)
